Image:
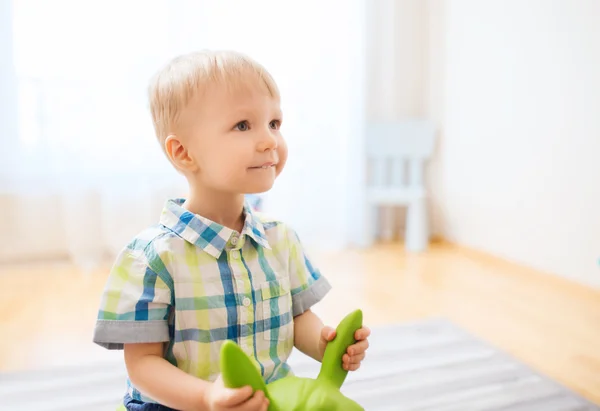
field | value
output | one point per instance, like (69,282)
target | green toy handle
(238,370)
(332,369)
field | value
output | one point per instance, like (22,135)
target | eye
(242,126)
(275,124)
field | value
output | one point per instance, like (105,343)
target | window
(82,71)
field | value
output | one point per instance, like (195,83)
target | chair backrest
(397,152)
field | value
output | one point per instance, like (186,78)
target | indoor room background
(511,87)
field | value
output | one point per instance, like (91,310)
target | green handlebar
(332,369)
(237,370)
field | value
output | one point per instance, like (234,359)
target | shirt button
(246,302)
(234,240)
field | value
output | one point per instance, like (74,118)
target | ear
(238,370)
(179,154)
(332,369)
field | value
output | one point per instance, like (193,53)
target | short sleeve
(135,304)
(308,285)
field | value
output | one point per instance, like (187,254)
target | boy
(213,268)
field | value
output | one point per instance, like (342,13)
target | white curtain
(90,173)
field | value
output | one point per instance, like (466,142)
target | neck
(226,209)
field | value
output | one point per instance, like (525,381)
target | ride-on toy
(293,393)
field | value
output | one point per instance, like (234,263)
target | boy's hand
(220,398)
(355,353)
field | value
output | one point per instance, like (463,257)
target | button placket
(244,294)
(245,316)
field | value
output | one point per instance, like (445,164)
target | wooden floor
(47,311)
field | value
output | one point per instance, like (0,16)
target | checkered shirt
(193,284)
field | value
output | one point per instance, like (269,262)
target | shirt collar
(206,234)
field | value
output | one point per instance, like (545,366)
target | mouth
(265,166)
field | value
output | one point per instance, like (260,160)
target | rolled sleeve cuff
(310,296)
(113,334)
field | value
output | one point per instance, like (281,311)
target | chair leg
(386,222)
(370,226)
(417,229)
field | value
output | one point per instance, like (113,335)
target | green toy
(293,393)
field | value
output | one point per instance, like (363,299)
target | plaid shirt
(193,284)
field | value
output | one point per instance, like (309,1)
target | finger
(353,359)
(353,367)
(362,333)
(265,405)
(356,359)
(251,404)
(345,360)
(254,403)
(328,333)
(359,347)
(231,397)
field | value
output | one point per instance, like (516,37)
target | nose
(268,141)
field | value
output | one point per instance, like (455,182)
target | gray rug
(431,365)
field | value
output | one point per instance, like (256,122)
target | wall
(397,62)
(516,173)
(8,94)
(396,59)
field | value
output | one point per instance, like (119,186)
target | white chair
(397,153)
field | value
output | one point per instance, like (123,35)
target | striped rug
(430,365)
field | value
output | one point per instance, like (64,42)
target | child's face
(234,139)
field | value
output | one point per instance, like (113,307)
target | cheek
(230,165)
(197,151)
(282,154)
(222,161)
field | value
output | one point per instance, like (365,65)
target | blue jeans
(135,405)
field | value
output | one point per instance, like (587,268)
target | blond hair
(184,77)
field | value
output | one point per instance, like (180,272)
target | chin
(257,188)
